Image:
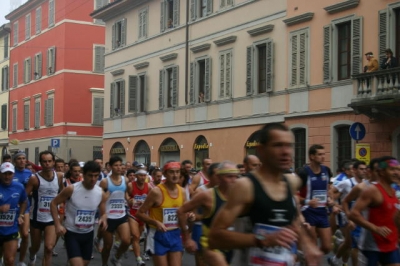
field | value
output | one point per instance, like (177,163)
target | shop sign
(198,147)
(118,151)
(252,144)
(169,148)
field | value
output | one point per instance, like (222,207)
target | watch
(259,240)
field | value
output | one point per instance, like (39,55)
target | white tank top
(201,189)
(42,197)
(81,208)
(115,205)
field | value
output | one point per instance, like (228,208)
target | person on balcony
(390,61)
(372,64)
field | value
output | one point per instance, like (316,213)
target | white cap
(7,167)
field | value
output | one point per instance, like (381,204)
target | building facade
(56,79)
(4,81)
(189,82)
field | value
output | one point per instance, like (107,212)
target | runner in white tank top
(201,177)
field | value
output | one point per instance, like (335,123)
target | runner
(115,185)
(266,195)
(82,201)
(156,175)
(379,236)
(13,203)
(137,193)
(73,175)
(251,163)
(44,186)
(162,203)
(59,165)
(210,202)
(201,177)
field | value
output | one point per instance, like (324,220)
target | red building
(56,78)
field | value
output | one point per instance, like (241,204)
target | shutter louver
(356,39)
(222,75)
(228,73)
(133,86)
(176,13)
(175,86)
(191,81)
(4,116)
(207,79)
(112,100)
(327,53)
(122,97)
(37,114)
(302,59)
(270,66)
(123,32)
(383,33)
(162,19)
(249,70)
(161,91)
(293,78)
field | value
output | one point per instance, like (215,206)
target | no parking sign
(363,152)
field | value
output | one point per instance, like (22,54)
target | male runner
(210,201)
(115,185)
(137,194)
(44,187)
(251,163)
(379,236)
(201,177)
(266,196)
(59,165)
(82,201)
(163,203)
(156,175)
(13,202)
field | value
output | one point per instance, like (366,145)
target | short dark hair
(313,149)
(264,134)
(91,166)
(130,171)
(59,160)
(155,170)
(211,169)
(238,166)
(358,163)
(184,162)
(372,163)
(389,51)
(114,159)
(6,157)
(46,153)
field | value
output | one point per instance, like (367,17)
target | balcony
(377,94)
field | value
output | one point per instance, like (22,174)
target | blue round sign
(357,131)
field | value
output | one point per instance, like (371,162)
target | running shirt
(344,187)
(139,195)
(166,212)
(22,176)
(81,208)
(115,206)
(42,197)
(12,194)
(316,186)
(382,215)
(203,179)
(339,178)
(69,181)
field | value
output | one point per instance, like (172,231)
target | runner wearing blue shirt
(12,207)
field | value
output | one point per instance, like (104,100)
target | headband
(388,163)
(19,153)
(228,171)
(171,165)
(141,172)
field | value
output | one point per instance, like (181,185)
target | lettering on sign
(252,144)
(203,146)
(118,151)
(169,148)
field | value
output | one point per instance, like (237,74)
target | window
(117,102)
(51,13)
(99,4)
(26,116)
(27,70)
(15,75)
(27,26)
(38,21)
(259,67)
(27,153)
(200,81)
(299,53)
(98,111)
(51,61)
(48,112)
(168,89)
(225,74)
(143,22)
(4,116)
(99,59)
(137,93)
(342,49)
(300,148)
(37,155)
(169,14)
(97,152)
(200,8)
(343,144)
(14,118)
(37,113)
(15,33)
(119,34)
(225,3)
(6,40)
(37,71)
(4,78)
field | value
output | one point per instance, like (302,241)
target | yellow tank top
(166,212)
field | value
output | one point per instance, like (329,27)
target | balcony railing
(378,83)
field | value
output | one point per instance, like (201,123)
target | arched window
(200,151)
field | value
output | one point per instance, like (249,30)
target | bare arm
(128,194)
(353,195)
(102,209)
(60,177)
(60,198)
(195,183)
(33,184)
(151,200)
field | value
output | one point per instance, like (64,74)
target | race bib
(139,199)
(8,218)
(84,219)
(117,206)
(276,256)
(321,196)
(170,218)
(44,203)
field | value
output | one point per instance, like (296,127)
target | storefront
(169,151)
(141,153)
(200,151)
(251,144)
(118,150)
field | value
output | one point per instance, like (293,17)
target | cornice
(117,72)
(345,5)
(261,30)
(299,19)
(169,57)
(200,48)
(141,65)
(225,40)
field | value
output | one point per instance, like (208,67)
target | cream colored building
(4,81)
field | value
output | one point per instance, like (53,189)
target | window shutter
(112,99)
(39,70)
(176,13)
(294,52)
(192,78)
(29,70)
(175,86)
(145,94)
(161,91)
(15,81)
(4,116)
(6,39)
(51,108)
(27,25)
(229,2)
(46,113)
(222,3)
(122,97)
(270,65)
(249,70)
(356,39)
(38,20)
(48,63)
(302,59)
(113,37)
(327,53)
(207,80)
(101,111)
(99,59)
(26,117)
(209,7)
(140,24)
(383,33)
(228,73)
(99,3)
(162,19)
(51,13)
(193,13)
(133,85)
(15,33)
(123,32)
(14,119)
(221,75)
(24,72)
(96,111)
(7,78)
(37,114)
(144,27)
(3,79)
(53,61)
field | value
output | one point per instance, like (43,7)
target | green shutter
(46,112)
(113,41)
(209,7)
(207,79)
(228,74)
(26,116)
(294,54)
(303,59)
(193,11)
(356,45)
(4,116)
(145,94)
(40,65)
(51,111)
(163,15)
(122,97)
(133,87)
(97,119)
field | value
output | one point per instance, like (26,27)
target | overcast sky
(5,9)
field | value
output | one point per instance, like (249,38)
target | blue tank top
(13,195)
(317,185)
(22,176)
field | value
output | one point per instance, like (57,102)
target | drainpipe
(187,53)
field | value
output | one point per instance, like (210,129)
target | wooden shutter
(38,20)
(51,13)
(112,99)
(24,71)
(161,91)
(163,15)
(97,119)
(383,34)
(222,75)
(15,75)
(39,70)
(249,70)
(209,7)
(27,26)
(327,53)
(193,11)
(175,86)
(4,116)
(29,70)
(270,66)
(46,112)
(303,59)
(294,53)
(101,111)
(141,24)
(15,33)
(37,114)
(145,100)
(122,97)
(356,45)
(191,81)
(207,79)
(48,61)
(176,13)
(144,26)
(26,116)
(113,41)
(14,119)
(99,59)
(53,62)
(133,88)
(228,74)
(123,32)
(51,111)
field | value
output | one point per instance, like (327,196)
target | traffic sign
(55,143)
(357,131)
(363,152)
